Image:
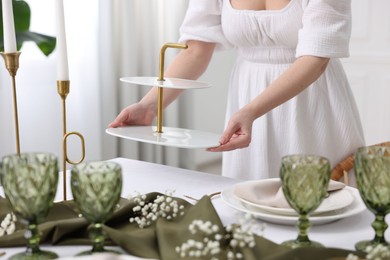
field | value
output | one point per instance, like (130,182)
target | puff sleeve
(326,28)
(202,22)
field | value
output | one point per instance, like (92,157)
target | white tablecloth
(146,177)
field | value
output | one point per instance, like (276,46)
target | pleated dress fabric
(321,120)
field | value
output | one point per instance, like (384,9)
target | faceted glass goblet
(305,180)
(96,189)
(372,170)
(30,184)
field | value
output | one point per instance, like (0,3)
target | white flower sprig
(210,244)
(8,225)
(164,206)
(352,257)
(242,235)
(236,236)
(378,252)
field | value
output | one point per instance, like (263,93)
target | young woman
(288,91)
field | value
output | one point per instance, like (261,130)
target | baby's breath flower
(200,249)
(8,225)
(236,237)
(378,252)
(164,206)
(352,257)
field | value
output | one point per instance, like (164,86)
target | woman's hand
(238,133)
(135,114)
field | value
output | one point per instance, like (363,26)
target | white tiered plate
(175,137)
(167,83)
(356,207)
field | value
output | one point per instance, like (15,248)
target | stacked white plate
(339,204)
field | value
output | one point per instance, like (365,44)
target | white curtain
(131,35)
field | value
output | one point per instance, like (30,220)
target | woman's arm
(190,63)
(303,72)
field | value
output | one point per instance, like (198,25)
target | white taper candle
(8,27)
(62,54)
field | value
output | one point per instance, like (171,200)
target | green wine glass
(305,180)
(96,189)
(30,184)
(372,170)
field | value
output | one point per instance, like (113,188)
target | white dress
(323,119)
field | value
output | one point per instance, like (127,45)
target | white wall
(369,66)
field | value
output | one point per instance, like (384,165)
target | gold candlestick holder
(11,60)
(63,88)
(161,78)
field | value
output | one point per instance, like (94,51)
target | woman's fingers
(237,141)
(236,135)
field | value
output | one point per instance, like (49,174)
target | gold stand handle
(63,88)
(161,78)
(12,65)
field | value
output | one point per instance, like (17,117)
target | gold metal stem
(16,115)
(12,65)
(161,78)
(160,109)
(63,88)
(162,56)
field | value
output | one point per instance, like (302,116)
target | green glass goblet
(96,189)
(305,180)
(30,184)
(372,170)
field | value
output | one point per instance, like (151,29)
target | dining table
(145,177)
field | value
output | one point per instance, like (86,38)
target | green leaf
(22,17)
(45,43)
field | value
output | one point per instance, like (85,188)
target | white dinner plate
(167,83)
(356,207)
(337,200)
(174,137)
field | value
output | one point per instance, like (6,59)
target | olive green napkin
(64,227)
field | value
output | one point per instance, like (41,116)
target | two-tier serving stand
(169,136)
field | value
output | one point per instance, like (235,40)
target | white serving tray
(174,137)
(167,83)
